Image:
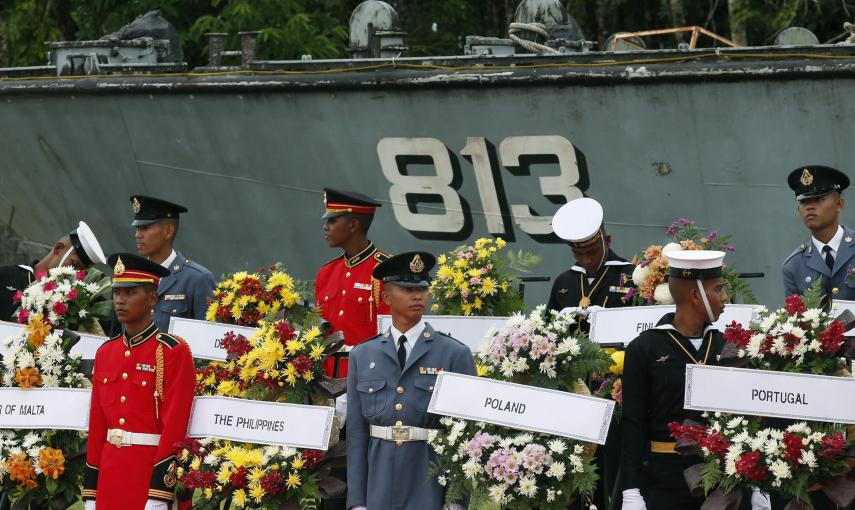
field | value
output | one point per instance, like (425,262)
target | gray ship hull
(248,154)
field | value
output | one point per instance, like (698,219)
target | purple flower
(729,247)
(629,295)
(713,235)
(677,225)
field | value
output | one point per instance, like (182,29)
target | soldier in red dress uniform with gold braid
(142,390)
(349,298)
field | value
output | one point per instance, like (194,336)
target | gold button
(105,380)
(400,389)
(144,383)
(347,274)
(370,390)
(430,388)
(124,375)
(399,423)
(122,400)
(399,406)
(360,300)
(340,313)
(343,292)
(121,421)
(174,310)
(127,354)
(326,298)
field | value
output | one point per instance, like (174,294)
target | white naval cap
(695,264)
(579,221)
(86,245)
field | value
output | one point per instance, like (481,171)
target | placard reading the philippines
(772,394)
(616,325)
(468,330)
(44,408)
(204,338)
(522,407)
(259,422)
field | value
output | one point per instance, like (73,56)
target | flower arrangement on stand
(523,470)
(742,452)
(651,272)
(610,383)
(281,362)
(43,469)
(478,280)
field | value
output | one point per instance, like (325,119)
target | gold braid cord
(158,383)
(375,296)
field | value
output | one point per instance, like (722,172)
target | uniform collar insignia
(142,336)
(361,256)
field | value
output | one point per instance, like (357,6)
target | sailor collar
(361,256)
(581,269)
(142,336)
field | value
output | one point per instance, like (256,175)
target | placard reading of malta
(522,407)
(45,408)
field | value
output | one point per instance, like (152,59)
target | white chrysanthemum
(780,470)
(26,359)
(521,364)
(672,247)
(442,480)
(735,422)
(498,493)
(288,452)
(527,486)
(211,459)
(808,458)
(772,448)
(577,464)
(799,428)
(740,438)
(523,439)
(550,495)
(82,313)
(662,295)
(50,381)
(471,469)
(30,439)
(733,453)
(640,274)
(557,446)
(557,470)
(507,367)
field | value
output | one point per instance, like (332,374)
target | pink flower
(72,295)
(60,308)
(80,275)
(17,297)
(41,275)
(23,315)
(49,286)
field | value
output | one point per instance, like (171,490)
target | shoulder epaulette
(381,256)
(169,340)
(195,265)
(798,250)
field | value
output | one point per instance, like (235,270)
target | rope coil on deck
(534,47)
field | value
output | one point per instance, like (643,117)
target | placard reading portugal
(773,394)
(522,407)
(253,421)
(44,408)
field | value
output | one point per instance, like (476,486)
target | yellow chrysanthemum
(289,297)
(308,376)
(239,498)
(459,278)
(255,474)
(480,370)
(297,463)
(211,313)
(228,388)
(483,254)
(316,352)
(474,272)
(500,242)
(208,492)
(294,346)
(243,457)
(195,463)
(239,276)
(488,286)
(228,298)
(311,334)
(617,359)
(478,304)
(441,259)
(461,263)
(293,480)
(224,473)
(445,272)
(467,308)
(256,491)
(278,278)
(434,307)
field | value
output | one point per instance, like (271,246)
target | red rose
(81,275)
(72,295)
(60,308)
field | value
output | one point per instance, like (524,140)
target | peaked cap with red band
(338,203)
(131,270)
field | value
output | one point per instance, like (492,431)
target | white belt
(120,438)
(400,433)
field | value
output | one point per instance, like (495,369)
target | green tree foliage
(291,28)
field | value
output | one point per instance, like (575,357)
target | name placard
(44,408)
(87,345)
(204,337)
(838,306)
(522,407)
(469,330)
(772,394)
(615,325)
(253,421)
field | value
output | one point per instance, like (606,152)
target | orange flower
(28,377)
(653,252)
(20,469)
(37,330)
(688,244)
(52,462)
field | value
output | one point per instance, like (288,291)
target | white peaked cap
(695,259)
(578,220)
(89,243)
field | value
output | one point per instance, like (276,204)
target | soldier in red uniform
(349,298)
(142,389)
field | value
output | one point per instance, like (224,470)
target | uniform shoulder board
(798,250)
(381,256)
(448,335)
(195,265)
(170,341)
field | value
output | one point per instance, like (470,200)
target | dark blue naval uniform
(381,474)
(806,265)
(184,293)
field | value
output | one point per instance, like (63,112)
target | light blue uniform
(380,474)
(806,265)
(184,293)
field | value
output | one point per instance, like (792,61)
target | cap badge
(687,273)
(135,205)
(119,269)
(806,178)
(417,265)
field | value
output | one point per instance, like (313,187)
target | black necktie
(829,259)
(402,351)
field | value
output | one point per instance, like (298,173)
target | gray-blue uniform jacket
(380,474)
(805,265)
(184,293)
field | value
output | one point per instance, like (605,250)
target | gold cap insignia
(687,273)
(119,267)
(135,205)
(417,265)
(806,178)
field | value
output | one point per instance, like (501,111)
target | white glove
(591,309)
(154,504)
(760,500)
(341,409)
(632,500)
(89,504)
(359,507)
(570,310)
(452,506)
